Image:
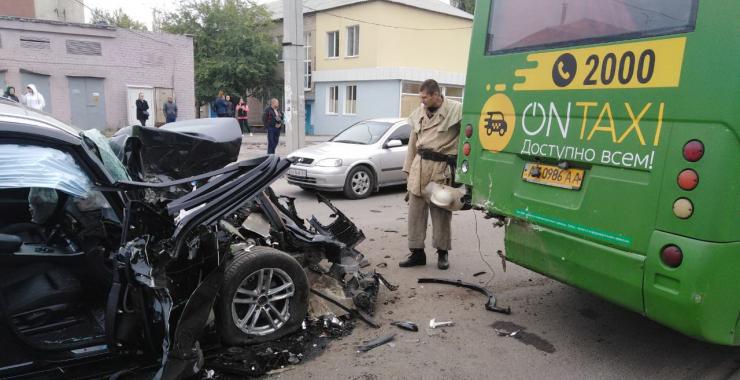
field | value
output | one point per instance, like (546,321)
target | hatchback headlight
(330,162)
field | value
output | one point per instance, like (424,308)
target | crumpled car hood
(178,150)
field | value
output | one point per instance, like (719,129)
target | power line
(384,25)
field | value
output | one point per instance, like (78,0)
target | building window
(307,70)
(333,47)
(332,100)
(409,97)
(350,100)
(353,41)
(454,93)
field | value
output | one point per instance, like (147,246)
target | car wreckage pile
(201,256)
(233,246)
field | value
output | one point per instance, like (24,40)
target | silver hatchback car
(359,160)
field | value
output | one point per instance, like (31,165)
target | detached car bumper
(317,177)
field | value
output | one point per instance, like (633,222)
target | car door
(392,158)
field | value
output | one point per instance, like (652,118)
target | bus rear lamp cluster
(688,179)
(671,256)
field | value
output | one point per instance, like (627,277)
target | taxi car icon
(495,123)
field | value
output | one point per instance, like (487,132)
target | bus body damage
(182,258)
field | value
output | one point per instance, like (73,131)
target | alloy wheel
(261,303)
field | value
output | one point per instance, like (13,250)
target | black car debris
(139,247)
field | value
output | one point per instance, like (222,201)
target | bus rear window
(520,25)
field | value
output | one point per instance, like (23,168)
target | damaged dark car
(139,250)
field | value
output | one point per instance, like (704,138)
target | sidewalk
(255,146)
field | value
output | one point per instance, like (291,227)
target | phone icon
(564,70)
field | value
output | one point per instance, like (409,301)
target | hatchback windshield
(517,25)
(364,132)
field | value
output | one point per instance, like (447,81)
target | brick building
(91,74)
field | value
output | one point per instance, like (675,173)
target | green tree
(117,18)
(234,51)
(466,5)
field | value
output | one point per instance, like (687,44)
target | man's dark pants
(171,119)
(273,136)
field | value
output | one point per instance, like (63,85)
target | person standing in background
(10,94)
(242,112)
(33,98)
(272,120)
(229,107)
(142,109)
(220,106)
(170,110)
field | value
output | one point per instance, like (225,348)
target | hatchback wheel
(359,183)
(264,297)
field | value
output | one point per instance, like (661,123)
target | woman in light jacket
(33,98)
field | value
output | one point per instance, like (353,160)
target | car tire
(360,183)
(241,295)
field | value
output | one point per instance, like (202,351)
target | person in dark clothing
(142,109)
(229,107)
(10,94)
(242,115)
(170,110)
(273,120)
(220,106)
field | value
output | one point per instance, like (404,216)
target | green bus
(604,136)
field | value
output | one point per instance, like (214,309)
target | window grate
(30,42)
(78,47)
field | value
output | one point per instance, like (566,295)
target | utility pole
(293,57)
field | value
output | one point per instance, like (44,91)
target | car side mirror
(393,144)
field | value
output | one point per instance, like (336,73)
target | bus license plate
(553,176)
(297,172)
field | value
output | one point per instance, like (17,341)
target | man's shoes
(442,262)
(416,258)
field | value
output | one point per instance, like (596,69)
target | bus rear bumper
(608,272)
(701,297)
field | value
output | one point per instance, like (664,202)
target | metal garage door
(87,102)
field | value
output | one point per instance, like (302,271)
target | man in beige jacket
(430,156)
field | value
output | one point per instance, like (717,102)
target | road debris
(434,324)
(502,255)
(406,325)
(502,332)
(490,304)
(376,343)
(382,265)
(479,273)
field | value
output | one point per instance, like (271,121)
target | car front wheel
(264,297)
(359,183)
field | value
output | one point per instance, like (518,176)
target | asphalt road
(565,332)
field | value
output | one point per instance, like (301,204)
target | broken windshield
(106,154)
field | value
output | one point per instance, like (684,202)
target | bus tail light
(683,208)
(688,179)
(693,150)
(466,149)
(465,166)
(468,131)
(671,256)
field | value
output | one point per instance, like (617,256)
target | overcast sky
(140,10)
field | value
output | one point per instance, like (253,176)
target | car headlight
(330,162)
